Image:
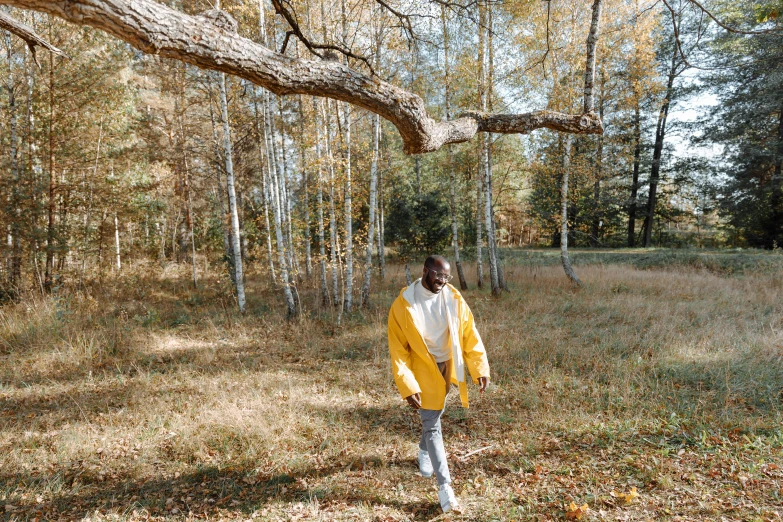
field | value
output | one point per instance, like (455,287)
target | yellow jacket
(414,368)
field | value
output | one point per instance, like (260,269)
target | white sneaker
(448,501)
(425,464)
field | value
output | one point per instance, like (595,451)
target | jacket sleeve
(401,356)
(472,346)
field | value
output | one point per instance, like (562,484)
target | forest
(113,156)
(209,208)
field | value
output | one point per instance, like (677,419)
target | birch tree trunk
(293,263)
(325,298)
(263,162)
(564,213)
(348,301)
(305,191)
(480,175)
(376,122)
(486,93)
(267,200)
(225,218)
(236,248)
(333,241)
(450,154)
(277,210)
(379,216)
(50,232)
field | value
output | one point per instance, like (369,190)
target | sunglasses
(440,276)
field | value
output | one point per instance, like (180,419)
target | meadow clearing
(654,393)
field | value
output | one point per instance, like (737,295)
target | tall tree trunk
(348,302)
(191,232)
(88,211)
(376,123)
(50,232)
(267,200)
(305,191)
(596,228)
(481,167)
(186,179)
(564,213)
(285,200)
(660,134)
(14,227)
(325,298)
(379,217)
(225,217)
(278,211)
(236,247)
(450,155)
(263,162)
(637,153)
(485,168)
(479,196)
(333,241)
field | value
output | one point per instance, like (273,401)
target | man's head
(436,273)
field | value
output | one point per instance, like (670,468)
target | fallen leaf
(626,497)
(574,512)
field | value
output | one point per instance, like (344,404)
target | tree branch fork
(157,29)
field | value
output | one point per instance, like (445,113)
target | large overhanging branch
(156,29)
(27,34)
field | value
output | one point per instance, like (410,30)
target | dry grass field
(146,400)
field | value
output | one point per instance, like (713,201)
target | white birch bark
(450,155)
(225,220)
(348,301)
(263,160)
(277,211)
(564,213)
(267,201)
(320,202)
(236,248)
(333,241)
(305,191)
(485,30)
(278,133)
(381,247)
(371,222)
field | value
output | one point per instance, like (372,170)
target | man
(432,338)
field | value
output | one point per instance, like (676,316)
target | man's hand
(414,401)
(483,383)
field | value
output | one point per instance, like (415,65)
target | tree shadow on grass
(207,491)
